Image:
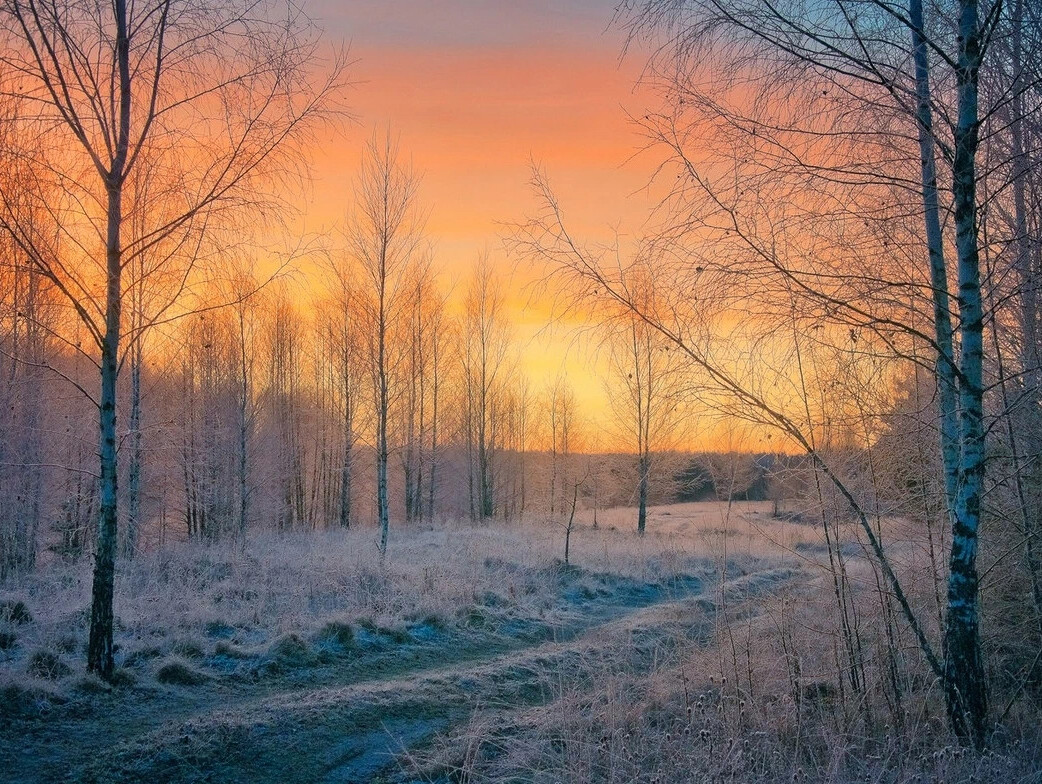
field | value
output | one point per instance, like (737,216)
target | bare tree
(517,413)
(841,68)
(647,373)
(440,343)
(383,239)
(245,297)
(214,97)
(348,363)
(27,321)
(485,343)
(561,425)
(424,335)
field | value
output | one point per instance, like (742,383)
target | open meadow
(474,654)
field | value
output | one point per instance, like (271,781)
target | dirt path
(348,723)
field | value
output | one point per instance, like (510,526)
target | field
(473,654)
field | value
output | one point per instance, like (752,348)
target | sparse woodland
(283,507)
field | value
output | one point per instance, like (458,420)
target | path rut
(348,724)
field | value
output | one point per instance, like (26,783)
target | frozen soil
(356,696)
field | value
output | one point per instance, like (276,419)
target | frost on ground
(698,652)
(220,647)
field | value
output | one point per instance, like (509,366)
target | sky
(479,90)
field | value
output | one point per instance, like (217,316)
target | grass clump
(67,643)
(292,650)
(20,698)
(47,664)
(395,635)
(8,639)
(15,611)
(123,678)
(187,649)
(175,671)
(398,636)
(230,650)
(475,617)
(340,633)
(92,684)
(433,620)
(139,656)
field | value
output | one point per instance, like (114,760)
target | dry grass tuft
(92,684)
(187,648)
(21,698)
(15,611)
(48,665)
(340,633)
(230,650)
(292,650)
(174,671)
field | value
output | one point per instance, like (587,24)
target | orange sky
(478,89)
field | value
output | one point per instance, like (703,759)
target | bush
(8,640)
(47,664)
(178,672)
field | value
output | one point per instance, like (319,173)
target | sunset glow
(479,92)
(571,391)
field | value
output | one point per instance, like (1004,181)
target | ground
(302,659)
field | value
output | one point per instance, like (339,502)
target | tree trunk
(642,494)
(130,537)
(1028,306)
(381,417)
(345,471)
(965,686)
(99,648)
(432,474)
(942,320)
(244,431)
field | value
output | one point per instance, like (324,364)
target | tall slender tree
(486,343)
(383,239)
(881,63)
(215,98)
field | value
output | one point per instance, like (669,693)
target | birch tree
(864,64)
(215,97)
(486,342)
(648,380)
(383,239)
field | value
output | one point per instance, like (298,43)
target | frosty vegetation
(294,509)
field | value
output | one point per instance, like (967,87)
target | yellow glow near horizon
(476,101)
(473,116)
